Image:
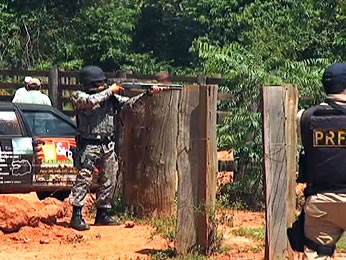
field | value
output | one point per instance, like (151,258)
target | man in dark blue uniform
(323,168)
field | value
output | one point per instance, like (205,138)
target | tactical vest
(97,123)
(323,131)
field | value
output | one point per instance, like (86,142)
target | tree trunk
(149,154)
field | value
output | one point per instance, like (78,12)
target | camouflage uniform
(96,128)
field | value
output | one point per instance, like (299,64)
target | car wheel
(59,195)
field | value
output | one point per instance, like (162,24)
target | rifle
(135,85)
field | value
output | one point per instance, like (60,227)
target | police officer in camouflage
(323,167)
(95,112)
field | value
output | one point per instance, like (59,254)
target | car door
(54,136)
(16,152)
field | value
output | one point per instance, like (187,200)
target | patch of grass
(119,206)
(223,249)
(198,257)
(257,234)
(186,257)
(164,254)
(341,245)
(121,211)
(165,226)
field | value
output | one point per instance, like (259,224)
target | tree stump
(149,154)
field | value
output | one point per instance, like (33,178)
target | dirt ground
(48,238)
(45,240)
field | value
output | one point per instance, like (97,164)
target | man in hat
(23,90)
(33,94)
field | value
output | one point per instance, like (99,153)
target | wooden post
(280,146)
(53,85)
(121,74)
(119,190)
(197,169)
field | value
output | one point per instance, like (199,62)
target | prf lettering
(330,138)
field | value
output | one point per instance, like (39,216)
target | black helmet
(91,74)
(334,78)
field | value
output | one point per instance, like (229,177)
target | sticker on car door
(56,162)
(16,158)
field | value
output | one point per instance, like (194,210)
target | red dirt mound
(16,213)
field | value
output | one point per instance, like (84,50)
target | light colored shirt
(19,92)
(33,97)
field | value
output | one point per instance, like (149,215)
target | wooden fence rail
(59,84)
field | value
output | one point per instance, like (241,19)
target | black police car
(35,150)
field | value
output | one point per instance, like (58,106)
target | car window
(9,124)
(44,124)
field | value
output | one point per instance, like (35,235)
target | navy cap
(334,78)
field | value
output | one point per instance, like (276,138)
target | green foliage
(68,34)
(10,36)
(257,234)
(166,29)
(106,26)
(341,28)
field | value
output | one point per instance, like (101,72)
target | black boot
(77,222)
(102,218)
